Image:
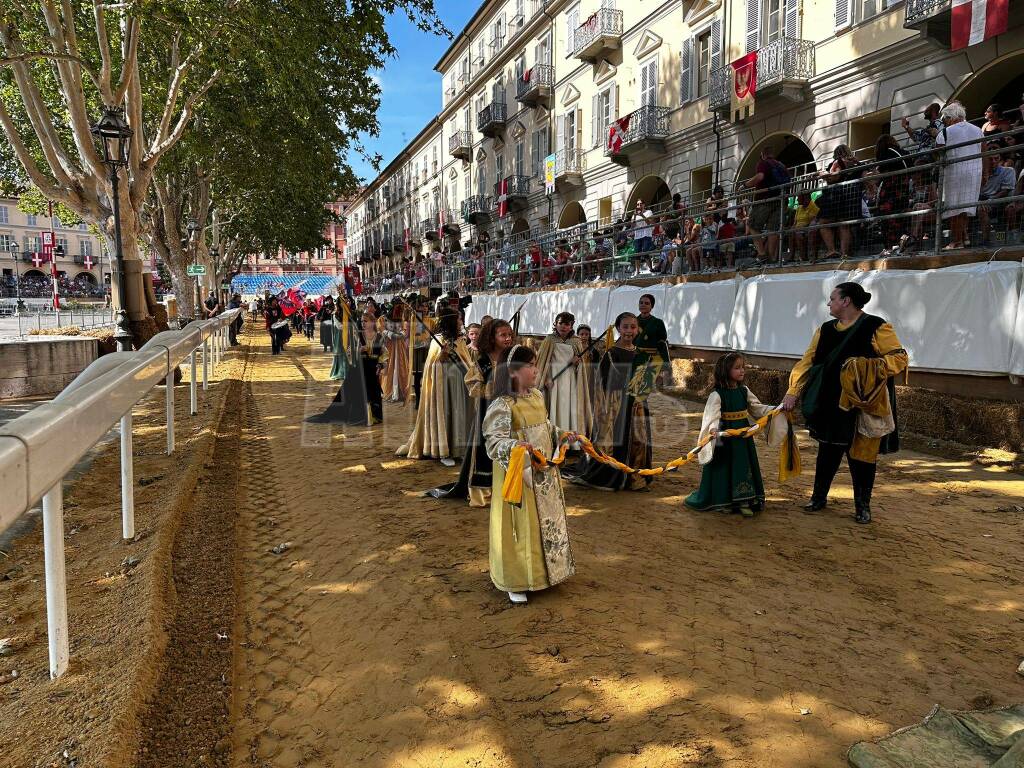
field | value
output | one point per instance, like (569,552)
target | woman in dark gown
(359,401)
(474,481)
(622,419)
(652,339)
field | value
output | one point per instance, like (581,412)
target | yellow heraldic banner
(744,86)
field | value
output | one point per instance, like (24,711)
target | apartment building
(526,80)
(328,260)
(80,255)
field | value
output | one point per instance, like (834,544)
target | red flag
(617,134)
(37,259)
(503,198)
(88,263)
(406,238)
(53,276)
(974,21)
(526,75)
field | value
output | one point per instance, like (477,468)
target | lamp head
(115,136)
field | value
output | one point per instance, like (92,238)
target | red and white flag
(440,219)
(406,240)
(503,198)
(89,262)
(526,75)
(37,259)
(617,134)
(974,21)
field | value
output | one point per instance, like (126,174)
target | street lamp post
(115,137)
(16,255)
(193,228)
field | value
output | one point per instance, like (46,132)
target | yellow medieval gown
(529,544)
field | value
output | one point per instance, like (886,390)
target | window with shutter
(649,83)
(754,25)
(572,21)
(544,50)
(842,14)
(560,132)
(570,130)
(716,45)
(519,159)
(686,69)
(792,24)
(773,21)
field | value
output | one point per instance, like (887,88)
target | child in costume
(731,476)
(529,542)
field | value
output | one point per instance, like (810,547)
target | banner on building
(503,198)
(617,134)
(549,175)
(974,21)
(744,87)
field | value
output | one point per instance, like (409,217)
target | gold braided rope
(512,488)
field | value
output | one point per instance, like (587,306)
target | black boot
(825,468)
(814,505)
(863,476)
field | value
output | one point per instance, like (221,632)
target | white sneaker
(448,462)
(517,597)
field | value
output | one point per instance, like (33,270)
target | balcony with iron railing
(535,85)
(460,145)
(429,227)
(638,137)
(569,167)
(476,209)
(784,68)
(386,245)
(933,18)
(599,35)
(490,120)
(416,233)
(449,221)
(517,190)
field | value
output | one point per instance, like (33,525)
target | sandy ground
(376,638)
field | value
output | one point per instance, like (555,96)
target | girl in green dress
(731,478)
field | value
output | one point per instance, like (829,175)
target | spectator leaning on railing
(764,216)
(642,222)
(961,182)
(998,182)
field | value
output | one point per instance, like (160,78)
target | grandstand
(314,284)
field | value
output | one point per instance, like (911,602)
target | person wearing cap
(846,381)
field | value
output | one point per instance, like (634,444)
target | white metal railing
(38,449)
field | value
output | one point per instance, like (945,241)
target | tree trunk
(184,288)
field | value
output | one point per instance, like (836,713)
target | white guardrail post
(56,579)
(39,448)
(127,479)
(206,364)
(193,397)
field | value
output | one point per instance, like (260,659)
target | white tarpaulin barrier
(1017,351)
(951,319)
(778,314)
(626,298)
(965,319)
(699,314)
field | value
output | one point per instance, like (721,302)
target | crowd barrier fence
(38,449)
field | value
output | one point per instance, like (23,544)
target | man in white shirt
(643,233)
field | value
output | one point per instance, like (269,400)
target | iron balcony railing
(474,205)
(449,218)
(568,161)
(460,142)
(385,245)
(648,122)
(605,22)
(787,59)
(491,117)
(517,186)
(920,10)
(428,227)
(532,80)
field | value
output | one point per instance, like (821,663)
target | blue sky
(411,88)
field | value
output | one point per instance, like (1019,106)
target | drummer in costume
(568,395)
(846,381)
(474,483)
(622,418)
(442,420)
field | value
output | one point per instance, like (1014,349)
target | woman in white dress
(563,377)
(961,179)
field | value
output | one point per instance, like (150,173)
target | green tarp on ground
(990,739)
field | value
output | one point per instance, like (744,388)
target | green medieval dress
(731,476)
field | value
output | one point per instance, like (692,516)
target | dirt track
(376,638)
(685,639)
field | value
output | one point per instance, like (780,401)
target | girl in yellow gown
(529,543)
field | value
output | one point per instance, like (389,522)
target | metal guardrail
(38,449)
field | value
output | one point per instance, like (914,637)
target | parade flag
(974,21)
(617,134)
(291,301)
(37,260)
(744,86)
(503,198)
(88,263)
(53,277)
(405,237)
(527,74)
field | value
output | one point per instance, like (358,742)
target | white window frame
(5,216)
(644,66)
(704,34)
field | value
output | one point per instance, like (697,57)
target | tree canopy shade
(260,100)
